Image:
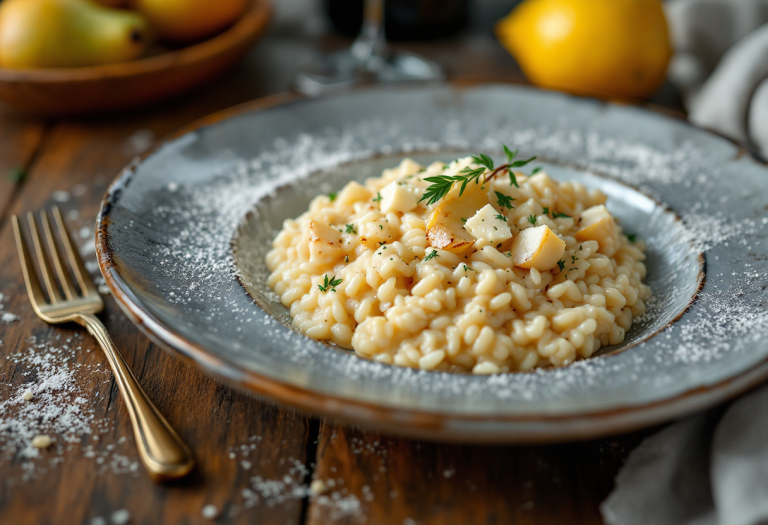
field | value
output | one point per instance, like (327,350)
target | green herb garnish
(501,217)
(350,229)
(377,198)
(512,163)
(442,184)
(503,201)
(333,196)
(431,255)
(17,175)
(532,219)
(561,265)
(332,284)
(632,237)
(558,215)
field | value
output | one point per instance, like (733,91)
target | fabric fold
(720,65)
(709,469)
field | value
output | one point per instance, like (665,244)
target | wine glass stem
(370,43)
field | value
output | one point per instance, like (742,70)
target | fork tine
(34,290)
(64,279)
(45,268)
(75,261)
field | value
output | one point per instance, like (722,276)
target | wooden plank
(74,482)
(19,140)
(397,480)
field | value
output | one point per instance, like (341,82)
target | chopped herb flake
(532,219)
(17,175)
(504,201)
(501,217)
(332,283)
(333,196)
(350,229)
(431,255)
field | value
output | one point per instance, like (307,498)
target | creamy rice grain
(366,270)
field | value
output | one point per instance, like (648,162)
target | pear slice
(538,248)
(399,196)
(445,227)
(324,243)
(488,225)
(597,224)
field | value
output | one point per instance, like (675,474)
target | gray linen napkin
(709,469)
(721,65)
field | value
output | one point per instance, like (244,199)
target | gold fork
(162,451)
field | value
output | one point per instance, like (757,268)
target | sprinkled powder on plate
(199,272)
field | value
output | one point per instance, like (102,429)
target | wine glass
(369,59)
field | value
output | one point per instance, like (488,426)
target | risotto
(461,267)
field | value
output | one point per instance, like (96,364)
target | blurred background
(703,58)
(462,37)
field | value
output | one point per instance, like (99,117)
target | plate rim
(437,426)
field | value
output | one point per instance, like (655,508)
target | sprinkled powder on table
(51,403)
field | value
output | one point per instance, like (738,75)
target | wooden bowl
(126,85)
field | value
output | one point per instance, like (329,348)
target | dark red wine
(403,19)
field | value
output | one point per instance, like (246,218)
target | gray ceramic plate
(183,231)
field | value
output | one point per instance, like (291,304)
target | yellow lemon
(598,47)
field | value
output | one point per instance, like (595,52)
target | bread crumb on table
(317,487)
(41,441)
(27,396)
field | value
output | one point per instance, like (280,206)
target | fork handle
(164,454)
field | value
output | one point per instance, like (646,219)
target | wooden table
(235,437)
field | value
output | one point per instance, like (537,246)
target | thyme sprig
(512,163)
(442,184)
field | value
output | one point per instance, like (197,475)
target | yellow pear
(186,21)
(68,33)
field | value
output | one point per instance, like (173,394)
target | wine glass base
(344,69)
